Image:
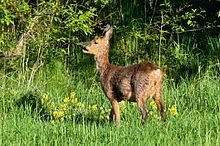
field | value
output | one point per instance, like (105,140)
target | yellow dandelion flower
(153,105)
(173,110)
(72,95)
(74,100)
(66,99)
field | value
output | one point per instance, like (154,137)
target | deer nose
(86,44)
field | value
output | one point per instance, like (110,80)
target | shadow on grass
(32,101)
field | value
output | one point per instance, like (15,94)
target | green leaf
(189,22)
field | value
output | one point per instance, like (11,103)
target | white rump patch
(157,73)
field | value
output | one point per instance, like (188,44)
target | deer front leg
(115,113)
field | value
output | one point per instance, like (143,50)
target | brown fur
(134,83)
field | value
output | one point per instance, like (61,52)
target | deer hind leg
(159,101)
(115,113)
(142,105)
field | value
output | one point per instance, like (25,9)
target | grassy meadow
(54,108)
(50,92)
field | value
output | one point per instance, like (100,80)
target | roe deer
(135,83)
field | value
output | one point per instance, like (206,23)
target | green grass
(197,101)
(192,129)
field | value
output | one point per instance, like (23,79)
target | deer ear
(108,32)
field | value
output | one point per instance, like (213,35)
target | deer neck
(102,63)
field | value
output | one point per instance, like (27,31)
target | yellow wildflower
(61,113)
(102,110)
(44,98)
(153,105)
(80,105)
(173,110)
(93,107)
(64,107)
(55,113)
(74,100)
(66,99)
(72,95)
(58,114)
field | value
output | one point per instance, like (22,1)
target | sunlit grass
(78,114)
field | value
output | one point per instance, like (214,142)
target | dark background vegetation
(180,36)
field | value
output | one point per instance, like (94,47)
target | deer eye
(96,43)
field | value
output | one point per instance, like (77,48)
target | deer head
(99,46)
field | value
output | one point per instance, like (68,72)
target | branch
(191,30)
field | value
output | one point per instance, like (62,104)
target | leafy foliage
(144,30)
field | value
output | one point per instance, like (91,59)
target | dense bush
(179,36)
